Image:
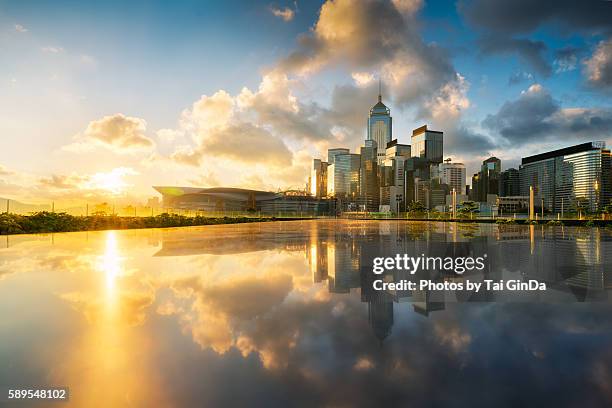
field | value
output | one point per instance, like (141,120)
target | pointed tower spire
(379,90)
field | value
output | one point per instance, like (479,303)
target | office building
(486,181)
(332,153)
(576,178)
(428,144)
(380,127)
(393,176)
(453,175)
(509,183)
(343,176)
(318,178)
(369,191)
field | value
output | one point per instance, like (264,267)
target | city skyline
(175,95)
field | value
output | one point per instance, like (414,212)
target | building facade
(227,199)
(509,183)
(369,192)
(576,178)
(453,175)
(428,144)
(332,153)
(380,127)
(318,178)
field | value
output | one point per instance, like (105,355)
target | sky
(102,100)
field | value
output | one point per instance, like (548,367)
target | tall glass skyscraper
(428,144)
(380,127)
(576,177)
(369,190)
(343,176)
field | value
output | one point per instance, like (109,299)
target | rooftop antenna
(379,90)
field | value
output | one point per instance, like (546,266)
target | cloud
(224,126)
(62,182)
(20,29)
(52,50)
(523,16)
(4,171)
(372,36)
(519,77)
(119,133)
(531,52)
(598,67)
(241,142)
(566,59)
(362,78)
(168,135)
(286,14)
(536,116)
(450,101)
(501,21)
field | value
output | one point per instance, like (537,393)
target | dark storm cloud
(463,140)
(536,116)
(531,52)
(523,16)
(502,21)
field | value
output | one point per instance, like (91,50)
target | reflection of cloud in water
(260,324)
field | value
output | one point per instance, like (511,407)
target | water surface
(283,314)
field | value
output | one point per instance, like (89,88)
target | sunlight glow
(111,262)
(113,181)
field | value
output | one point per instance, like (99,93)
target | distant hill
(21,208)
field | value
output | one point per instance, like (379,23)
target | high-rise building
(509,184)
(393,175)
(428,144)
(475,189)
(453,175)
(368,177)
(380,127)
(574,178)
(486,182)
(491,170)
(332,153)
(343,176)
(318,178)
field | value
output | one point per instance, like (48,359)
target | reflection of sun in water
(111,263)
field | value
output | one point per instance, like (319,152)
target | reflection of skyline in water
(289,315)
(575,263)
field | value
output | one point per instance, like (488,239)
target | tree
(416,207)
(468,207)
(607,210)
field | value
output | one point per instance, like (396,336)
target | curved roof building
(238,199)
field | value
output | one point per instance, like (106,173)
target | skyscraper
(368,177)
(453,175)
(343,176)
(491,171)
(332,153)
(509,185)
(380,127)
(318,178)
(487,180)
(428,144)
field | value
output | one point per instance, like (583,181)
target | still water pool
(284,314)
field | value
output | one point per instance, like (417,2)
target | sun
(112,182)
